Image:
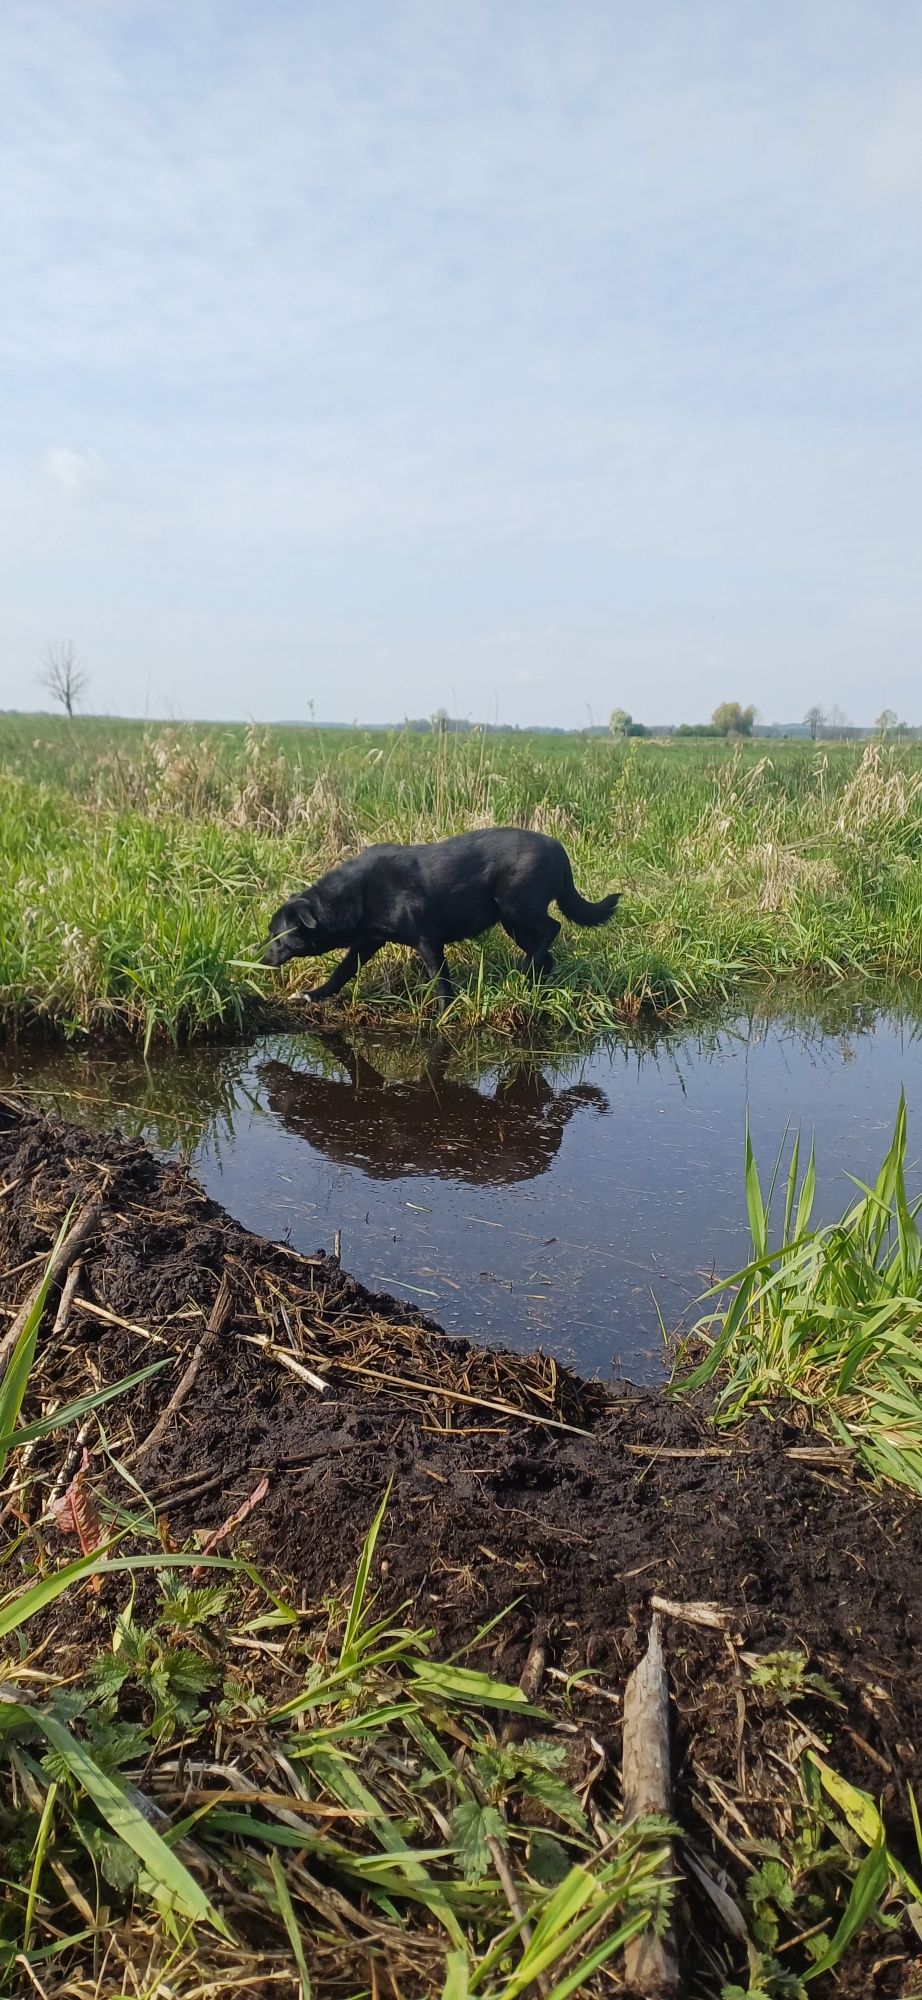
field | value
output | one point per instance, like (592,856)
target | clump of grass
(829,1319)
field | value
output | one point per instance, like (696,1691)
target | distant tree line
(730,721)
(65,677)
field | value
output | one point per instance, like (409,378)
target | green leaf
(577,1980)
(856,1807)
(175,1889)
(348,1787)
(472,1826)
(464,1684)
(23,1604)
(117,1862)
(548,1860)
(42,1839)
(557,1796)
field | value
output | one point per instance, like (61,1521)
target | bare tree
(64,675)
(886,720)
(814,720)
(838,720)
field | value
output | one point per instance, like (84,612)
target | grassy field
(139,865)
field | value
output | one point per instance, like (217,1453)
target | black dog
(428,897)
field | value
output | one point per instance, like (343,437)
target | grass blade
(73,1413)
(360,1587)
(290,1922)
(868,1890)
(16,1380)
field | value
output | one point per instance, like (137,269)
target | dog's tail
(575,906)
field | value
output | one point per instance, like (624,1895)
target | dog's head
(296,931)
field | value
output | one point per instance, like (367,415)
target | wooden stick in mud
(650,1962)
(68,1289)
(220,1313)
(74,1242)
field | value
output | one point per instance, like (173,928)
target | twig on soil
(220,1312)
(698,1613)
(185,1492)
(74,1242)
(71,1282)
(235,1520)
(650,1961)
(286,1360)
(585,1685)
(687,1450)
(457,1396)
(115,1319)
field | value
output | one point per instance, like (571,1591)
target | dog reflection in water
(434,1127)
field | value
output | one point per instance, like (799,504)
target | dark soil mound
(512,1480)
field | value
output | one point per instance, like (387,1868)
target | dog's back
(449,889)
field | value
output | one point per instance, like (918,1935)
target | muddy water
(524,1200)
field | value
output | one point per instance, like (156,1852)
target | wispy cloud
(76,472)
(432,321)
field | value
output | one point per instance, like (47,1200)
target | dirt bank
(512,1479)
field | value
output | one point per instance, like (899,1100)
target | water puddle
(520,1199)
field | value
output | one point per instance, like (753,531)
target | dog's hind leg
(534,938)
(346,970)
(433,957)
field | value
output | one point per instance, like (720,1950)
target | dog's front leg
(433,957)
(347,968)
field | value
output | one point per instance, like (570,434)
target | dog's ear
(301,909)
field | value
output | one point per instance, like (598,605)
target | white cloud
(75,472)
(894,150)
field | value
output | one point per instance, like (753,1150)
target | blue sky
(524,359)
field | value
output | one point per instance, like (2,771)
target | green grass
(827,1322)
(139,866)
